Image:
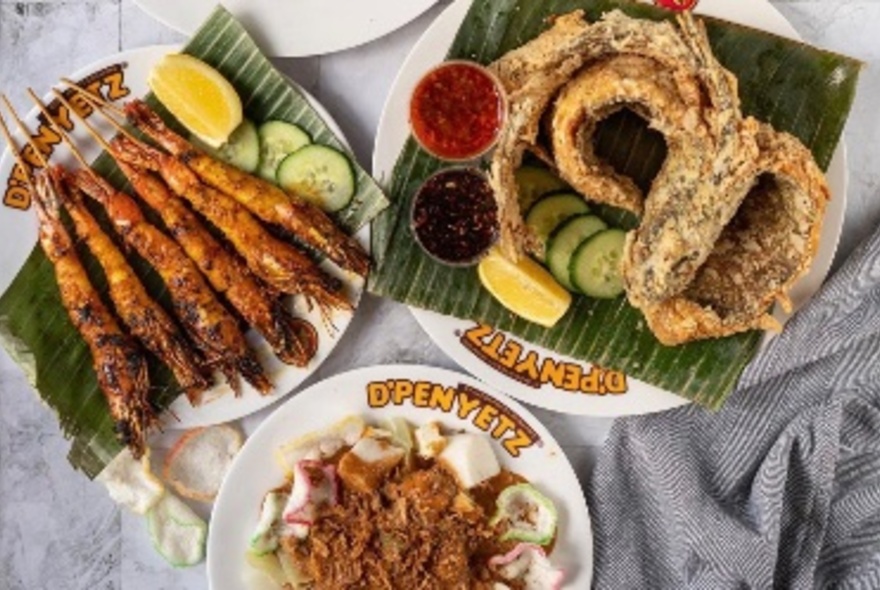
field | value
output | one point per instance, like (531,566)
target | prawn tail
(252,371)
(187,367)
(135,415)
(299,338)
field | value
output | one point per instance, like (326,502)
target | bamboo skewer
(13,146)
(88,126)
(57,127)
(93,98)
(101,107)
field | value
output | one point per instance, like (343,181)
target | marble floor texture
(59,530)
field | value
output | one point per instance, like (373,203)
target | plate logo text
(109,83)
(513,359)
(465,402)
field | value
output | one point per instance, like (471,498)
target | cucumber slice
(565,240)
(550,211)
(533,182)
(242,149)
(595,265)
(319,174)
(277,141)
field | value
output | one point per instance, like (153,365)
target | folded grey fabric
(781,488)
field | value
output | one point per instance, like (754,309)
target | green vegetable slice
(526,514)
(265,537)
(277,140)
(551,211)
(533,182)
(242,150)
(319,174)
(565,240)
(595,265)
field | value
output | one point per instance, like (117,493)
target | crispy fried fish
(696,192)
(670,104)
(767,247)
(533,74)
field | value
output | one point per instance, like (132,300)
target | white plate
(451,334)
(19,231)
(255,472)
(296,28)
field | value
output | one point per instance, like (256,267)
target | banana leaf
(797,88)
(34,327)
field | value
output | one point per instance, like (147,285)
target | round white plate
(296,28)
(126,74)
(371,394)
(586,390)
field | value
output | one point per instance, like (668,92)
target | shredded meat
(419,532)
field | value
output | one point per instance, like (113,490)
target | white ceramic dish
(456,337)
(127,77)
(362,392)
(298,28)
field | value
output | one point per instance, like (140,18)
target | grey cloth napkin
(781,488)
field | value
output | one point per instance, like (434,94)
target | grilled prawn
(118,361)
(145,318)
(213,329)
(305,221)
(277,263)
(294,340)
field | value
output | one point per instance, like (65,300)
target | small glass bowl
(501,112)
(465,222)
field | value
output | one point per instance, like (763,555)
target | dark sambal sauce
(454,216)
(457,110)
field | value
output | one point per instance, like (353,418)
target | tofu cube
(429,441)
(364,466)
(470,459)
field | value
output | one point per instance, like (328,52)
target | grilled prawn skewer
(213,329)
(145,318)
(294,340)
(279,264)
(305,221)
(119,364)
(118,361)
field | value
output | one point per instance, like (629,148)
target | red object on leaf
(679,5)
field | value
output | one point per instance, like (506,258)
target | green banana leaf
(34,327)
(797,88)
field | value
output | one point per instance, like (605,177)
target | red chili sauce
(457,111)
(454,216)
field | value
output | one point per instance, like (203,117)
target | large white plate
(297,28)
(583,390)
(19,231)
(255,472)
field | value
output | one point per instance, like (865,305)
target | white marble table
(57,529)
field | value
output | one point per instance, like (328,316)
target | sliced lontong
(119,362)
(211,327)
(293,339)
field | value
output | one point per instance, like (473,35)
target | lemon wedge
(524,287)
(198,95)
